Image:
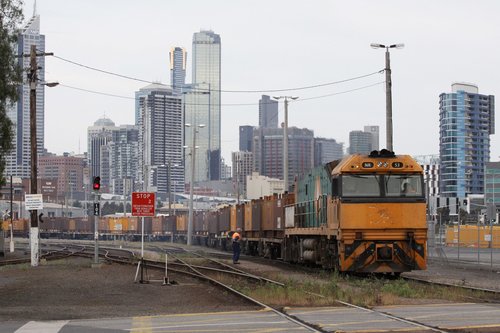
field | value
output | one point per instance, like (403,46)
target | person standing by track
(236,238)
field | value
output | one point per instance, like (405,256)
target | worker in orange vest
(236,246)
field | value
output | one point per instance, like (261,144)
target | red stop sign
(143,204)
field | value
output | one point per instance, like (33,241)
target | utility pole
(388,99)
(194,128)
(33,81)
(388,90)
(285,140)
(11,216)
(169,180)
(238,170)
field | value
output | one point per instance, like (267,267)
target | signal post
(96,187)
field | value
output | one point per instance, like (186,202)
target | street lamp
(285,138)
(191,185)
(388,91)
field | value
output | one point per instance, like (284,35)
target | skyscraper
(207,70)
(19,159)
(374,130)
(246,137)
(268,112)
(98,136)
(178,56)
(123,159)
(327,150)
(360,142)
(466,121)
(160,139)
(196,101)
(268,152)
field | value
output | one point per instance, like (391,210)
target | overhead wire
(222,90)
(228,104)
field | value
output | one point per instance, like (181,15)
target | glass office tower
(207,71)
(18,161)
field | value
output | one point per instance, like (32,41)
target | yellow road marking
(141,324)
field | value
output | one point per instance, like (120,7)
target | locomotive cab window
(360,186)
(403,185)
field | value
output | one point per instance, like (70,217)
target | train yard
(295,297)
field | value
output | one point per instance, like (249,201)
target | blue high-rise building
(466,121)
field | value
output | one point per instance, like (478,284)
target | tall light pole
(285,139)
(388,90)
(191,185)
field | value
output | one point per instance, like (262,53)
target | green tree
(11,16)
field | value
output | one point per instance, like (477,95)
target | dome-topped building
(99,135)
(104,122)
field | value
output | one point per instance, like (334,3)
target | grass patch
(363,291)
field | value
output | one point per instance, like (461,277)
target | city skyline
(421,71)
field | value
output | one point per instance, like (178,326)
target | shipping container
(118,225)
(134,226)
(225,219)
(198,223)
(181,225)
(169,224)
(158,225)
(72,225)
(253,215)
(148,225)
(82,226)
(472,236)
(213,222)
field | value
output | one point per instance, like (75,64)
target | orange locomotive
(359,215)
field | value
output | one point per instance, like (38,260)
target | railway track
(206,273)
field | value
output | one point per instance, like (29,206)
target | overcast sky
(273,45)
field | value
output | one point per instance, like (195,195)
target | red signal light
(97,183)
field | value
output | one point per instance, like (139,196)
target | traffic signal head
(97,183)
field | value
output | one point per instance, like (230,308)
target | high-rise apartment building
(268,112)
(207,71)
(161,140)
(18,161)
(360,142)
(98,136)
(268,152)
(178,56)
(123,159)
(466,121)
(492,188)
(327,150)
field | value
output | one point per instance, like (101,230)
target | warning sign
(143,204)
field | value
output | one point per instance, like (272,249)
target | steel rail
(236,292)
(387,315)
(492,291)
